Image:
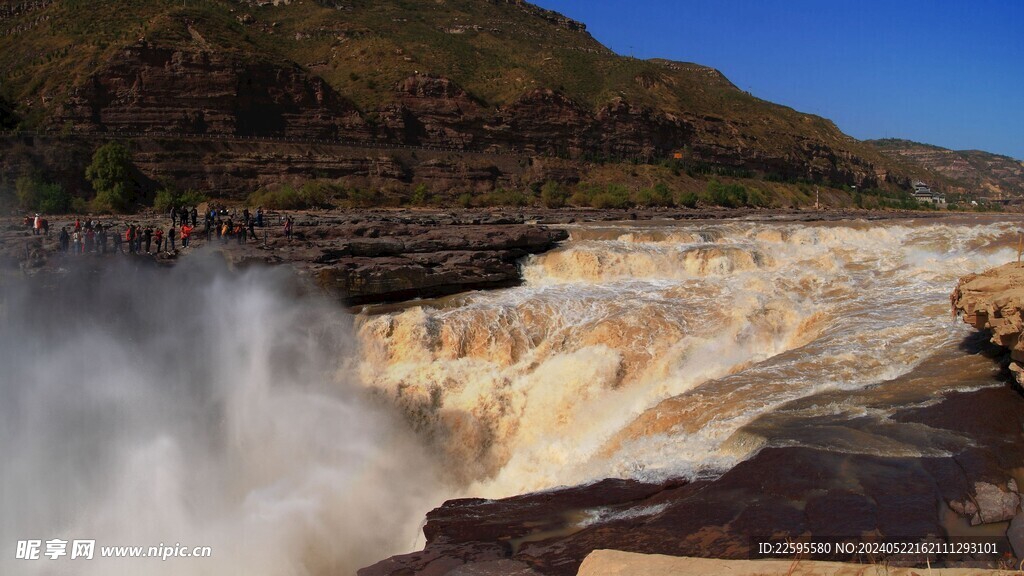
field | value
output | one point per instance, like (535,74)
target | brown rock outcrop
(994,301)
(194,91)
(418,262)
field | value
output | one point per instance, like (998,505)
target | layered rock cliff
(503,77)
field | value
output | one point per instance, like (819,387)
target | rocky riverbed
(358,257)
(385,255)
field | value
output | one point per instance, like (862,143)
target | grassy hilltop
(498,75)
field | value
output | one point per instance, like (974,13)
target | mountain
(502,77)
(983,174)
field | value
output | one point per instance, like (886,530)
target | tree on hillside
(111,176)
(35,195)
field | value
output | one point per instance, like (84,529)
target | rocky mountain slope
(972,171)
(496,76)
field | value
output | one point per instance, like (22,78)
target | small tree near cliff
(553,194)
(111,176)
(35,195)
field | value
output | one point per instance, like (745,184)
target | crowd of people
(93,236)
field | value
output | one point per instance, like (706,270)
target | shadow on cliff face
(979,342)
(193,407)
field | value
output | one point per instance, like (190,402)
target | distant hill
(972,172)
(474,75)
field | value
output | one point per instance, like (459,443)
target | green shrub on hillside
(111,176)
(503,197)
(553,194)
(757,198)
(613,196)
(687,199)
(360,198)
(115,200)
(287,197)
(658,195)
(43,197)
(420,196)
(166,198)
(728,195)
(609,196)
(736,195)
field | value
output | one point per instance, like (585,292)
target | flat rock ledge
(357,256)
(616,563)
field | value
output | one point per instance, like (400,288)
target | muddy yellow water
(661,349)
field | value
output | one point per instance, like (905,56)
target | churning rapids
(146,407)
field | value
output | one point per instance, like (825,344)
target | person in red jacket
(158,235)
(129,237)
(186,232)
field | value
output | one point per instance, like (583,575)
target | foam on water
(646,352)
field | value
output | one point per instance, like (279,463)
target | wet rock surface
(358,257)
(779,495)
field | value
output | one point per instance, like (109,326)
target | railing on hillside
(264,138)
(346,143)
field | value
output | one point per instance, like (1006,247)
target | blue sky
(936,71)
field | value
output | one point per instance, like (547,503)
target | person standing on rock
(117,242)
(174,215)
(288,223)
(195,216)
(252,228)
(76,242)
(148,238)
(186,234)
(259,217)
(172,235)
(101,236)
(64,238)
(37,225)
(90,240)
(129,238)
(159,237)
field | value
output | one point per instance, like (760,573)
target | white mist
(194,407)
